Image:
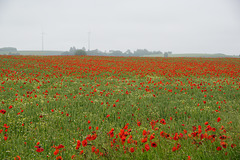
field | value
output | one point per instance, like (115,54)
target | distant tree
(116,53)
(74,48)
(71,50)
(80,52)
(157,52)
(8,49)
(165,54)
(83,48)
(128,52)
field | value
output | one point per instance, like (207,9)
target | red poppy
(162,121)
(39,149)
(224,144)
(59,158)
(132,150)
(60,146)
(219,148)
(174,149)
(139,123)
(233,145)
(93,149)
(147,147)
(153,144)
(84,143)
(144,132)
(17,158)
(2,111)
(56,152)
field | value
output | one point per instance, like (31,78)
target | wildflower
(56,152)
(39,149)
(59,158)
(219,148)
(144,132)
(144,140)
(174,149)
(153,144)
(224,144)
(162,121)
(139,123)
(233,145)
(147,147)
(17,158)
(2,111)
(84,143)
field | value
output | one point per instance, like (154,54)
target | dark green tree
(80,52)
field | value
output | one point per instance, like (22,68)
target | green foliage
(80,52)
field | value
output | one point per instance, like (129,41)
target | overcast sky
(180,26)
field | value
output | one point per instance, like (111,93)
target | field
(90,107)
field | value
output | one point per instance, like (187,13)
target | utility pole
(89,34)
(42,41)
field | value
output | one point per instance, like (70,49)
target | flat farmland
(92,107)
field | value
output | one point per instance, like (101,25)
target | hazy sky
(180,26)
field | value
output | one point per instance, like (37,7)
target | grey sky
(181,26)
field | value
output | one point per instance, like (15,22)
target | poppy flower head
(153,144)
(132,150)
(84,143)
(147,147)
(219,148)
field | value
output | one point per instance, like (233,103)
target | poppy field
(92,107)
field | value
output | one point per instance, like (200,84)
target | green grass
(70,91)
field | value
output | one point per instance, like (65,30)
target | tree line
(128,53)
